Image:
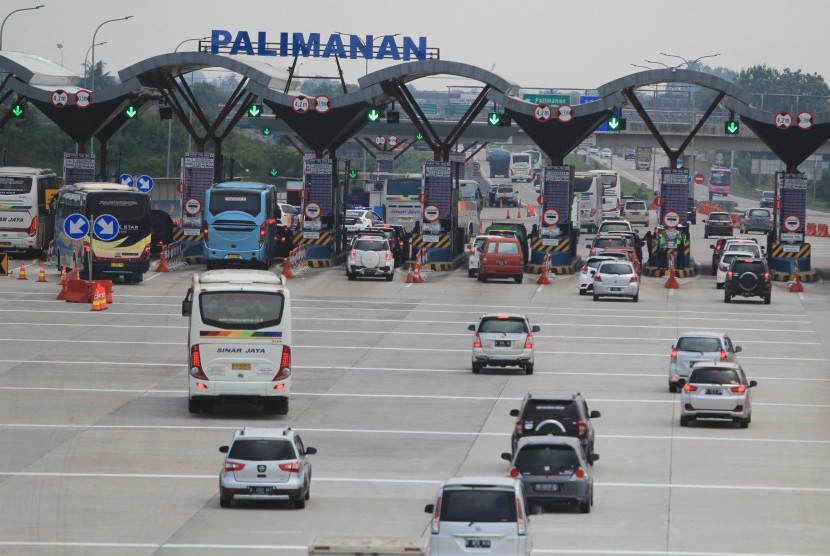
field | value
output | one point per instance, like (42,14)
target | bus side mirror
(187,304)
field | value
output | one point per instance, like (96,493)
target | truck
(499,160)
(643,158)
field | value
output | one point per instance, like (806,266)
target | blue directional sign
(584,99)
(144,184)
(106,227)
(126,179)
(76,226)
(680,161)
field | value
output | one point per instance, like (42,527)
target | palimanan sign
(314,45)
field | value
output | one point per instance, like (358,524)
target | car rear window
(593,263)
(611,242)
(697,343)
(715,217)
(262,450)
(508,248)
(739,267)
(614,228)
(241,310)
(539,410)
(506,326)
(547,459)
(478,505)
(714,376)
(759,213)
(635,205)
(371,245)
(616,268)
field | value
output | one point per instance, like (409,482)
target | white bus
(611,193)
(590,204)
(521,167)
(26,196)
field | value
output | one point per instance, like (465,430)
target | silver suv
(370,255)
(503,340)
(698,347)
(266,464)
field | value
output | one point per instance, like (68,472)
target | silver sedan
(616,279)
(716,391)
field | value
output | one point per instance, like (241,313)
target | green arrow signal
(254,111)
(614,123)
(266,131)
(131,112)
(419,137)
(353,174)
(493,119)
(17,111)
(273,172)
(374,115)
(732,127)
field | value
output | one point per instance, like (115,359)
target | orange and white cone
(507,216)
(162,267)
(544,277)
(99,298)
(519,213)
(410,276)
(41,274)
(672,282)
(21,274)
(287,263)
(795,283)
(64,278)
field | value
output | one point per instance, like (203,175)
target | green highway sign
(494,118)
(353,174)
(549,99)
(273,172)
(428,108)
(131,112)
(374,114)
(255,111)
(17,110)
(732,127)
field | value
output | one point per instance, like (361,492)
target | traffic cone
(500,204)
(418,278)
(41,274)
(99,298)
(162,267)
(519,214)
(507,216)
(544,277)
(531,210)
(286,265)
(21,275)
(63,275)
(410,276)
(672,282)
(481,228)
(795,283)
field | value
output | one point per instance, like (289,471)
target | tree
(784,90)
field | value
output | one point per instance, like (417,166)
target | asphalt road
(100,455)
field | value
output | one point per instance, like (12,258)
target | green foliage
(775,90)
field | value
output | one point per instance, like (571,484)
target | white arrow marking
(76,227)
(143,184)
(105,227)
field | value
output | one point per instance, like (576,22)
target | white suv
(370,256)
(266,464)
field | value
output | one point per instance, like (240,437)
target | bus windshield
(582,184)
(242,201)
(12,185)
(720,177)
(521,159)
(403,189)
(127,209)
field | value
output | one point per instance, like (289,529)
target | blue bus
(128,253)
(242,225)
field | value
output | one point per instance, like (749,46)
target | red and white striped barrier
(171,258)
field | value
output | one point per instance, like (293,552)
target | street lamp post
(689,62)
(94,35)
(12,13)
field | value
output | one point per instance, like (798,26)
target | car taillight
(400,243)
(597,277)
(389,255)
(290,467)
(633,279)
(729,275)
(205,231)
(234,466)
(766,276)
(436,516)
(739,389)
(520,427)
(579,473)
(285,363)
(146,253)
(477,341)
(196,363)
(723,354)
(690,388)
(585,268)
(353,254)
(583,428)
(593,250)
(529,342)
(33,227)
(674,355)
(521,525)
(262,232)
(513,472)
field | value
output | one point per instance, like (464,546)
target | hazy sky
(544,43)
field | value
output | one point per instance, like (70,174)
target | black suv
(748,278)
(558,415)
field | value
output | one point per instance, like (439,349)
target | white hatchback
(474,255)
(586,276)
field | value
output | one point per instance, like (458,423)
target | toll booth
(439,234)
(673,216)
(322,212)
(557,233)
(786,246)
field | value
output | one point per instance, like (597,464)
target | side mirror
(506,456)
(594,414)
(471,327)
(711,247)
(594,457)
(681,381)
(535,328)
(738,349)
(752,384)
(429,508)
(223,449)
(310,451)
(514,412)
(187,304)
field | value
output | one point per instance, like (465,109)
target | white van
(481,515)
(239,339)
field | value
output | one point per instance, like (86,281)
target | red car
(501,257)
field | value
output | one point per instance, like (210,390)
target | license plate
(502,262)
(616,289)
(261,490)
(241,366)
(503,343)
(478,543)
(117,265)
(548,487)
(5,243)
(714,392)
(233,256)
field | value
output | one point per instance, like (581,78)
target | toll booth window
(478,505)
(241,310)
(10,185)
(241,201)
